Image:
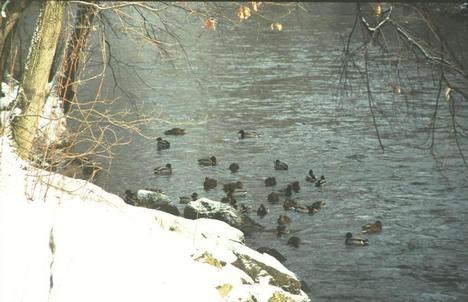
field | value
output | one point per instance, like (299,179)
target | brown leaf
(256,5)
(243,13)
(447,93)
(378,10)
(276,26)
(210,23)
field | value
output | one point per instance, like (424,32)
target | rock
(156,200)
(206,208)
(273,252)
(256,270)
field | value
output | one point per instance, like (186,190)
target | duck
(166,170)
(372,228)
(237,193)
(231,186)
(247,134)
(350,240)
(187,199)
(175,131)
(234,167)
(294,241)
(209,183)
(283,219)
(207,161)
(289,204)
(244,209)
(315,207)
(311,177)
(295,186)
(288,191)
(270,182)
(301,209)
(273,197)
(279,165)
(320,182)
(262,211)
(131,197)
(162,144)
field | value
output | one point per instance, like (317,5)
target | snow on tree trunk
(33,87)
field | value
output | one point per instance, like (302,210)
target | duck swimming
(270,182)
(283,219)
(320,182)
(207,161)
(281,229)
(295,186)
(273,197)
(237,193)
(231,186)
(262,211)
(234,167)
(288,191)
(247,134)
(209,183)
(311,177)
(294,241)
(279,165)
(175,131)
(372,228)
(315,207)
(166,170)
(289,204)
(350,240)
(162,144)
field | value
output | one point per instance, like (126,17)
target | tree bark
(71,60)
(33,87)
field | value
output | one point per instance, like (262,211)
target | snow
(64,239)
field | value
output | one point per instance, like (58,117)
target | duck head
(169,166)
(349,235)
(213,159)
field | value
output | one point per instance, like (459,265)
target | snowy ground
(63,239)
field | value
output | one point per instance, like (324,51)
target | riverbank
(65,239)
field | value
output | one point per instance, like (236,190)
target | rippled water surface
(283,85)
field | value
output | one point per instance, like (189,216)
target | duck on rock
(166,170)
(207,161)
(356,241)
(247,134)
(279,165)
(372,228)
(175,131)
(311,177)
(162,144)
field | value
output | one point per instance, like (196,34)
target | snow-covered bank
(63,239)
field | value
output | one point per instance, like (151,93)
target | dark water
(285,86)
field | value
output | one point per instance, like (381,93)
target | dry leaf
(243,13)
(276,26)
(378,10)
(210,24)
(224,289)
(447,92)
(397,89)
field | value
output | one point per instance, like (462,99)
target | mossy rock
(209,259)
(279,297)
(255,269)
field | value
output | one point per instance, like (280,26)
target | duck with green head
(311,177)
(247,134)
(207,161)
(166,170)
(162,144)
(355,241)
(279,165)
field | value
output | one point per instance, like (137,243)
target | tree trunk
(13,10)
(33,87)
(71,60)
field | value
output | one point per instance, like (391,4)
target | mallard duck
(283,219)
(131,197)
(289,204)
(350,240)
(207,161)
(315,207)
(247,134)
(163,144)
(210,183)
(270,182)
(231,186)
(187,199)
(294,241)
(175,131)
(320,182)
(166,170)
(279,165)
(262,211)
(234,167)
(301,209)
(295,186)
(273,197)
(287,191)
(372,228)
(311,177)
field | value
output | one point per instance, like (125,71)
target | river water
(285,86)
